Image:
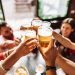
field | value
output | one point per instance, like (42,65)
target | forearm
(66,65)
(8,52)
(2,72)
(15,55)
(51,71)
(64,41)
(7,63)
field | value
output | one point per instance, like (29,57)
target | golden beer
(45,37)
(44,40)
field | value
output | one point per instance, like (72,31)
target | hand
(27,46)
(49,54)
(17,41)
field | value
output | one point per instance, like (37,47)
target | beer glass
(44,36)
(36,24)
(29,34)
(26,26)
(46,23)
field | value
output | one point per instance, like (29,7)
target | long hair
(71,22)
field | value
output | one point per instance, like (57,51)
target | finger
(17,41)
(31,44)
(51,44)
(40,48)
(32,47)
(32,40)
(28,41)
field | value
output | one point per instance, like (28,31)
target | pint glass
(44,36)
(36,24)
(29,34)
(46,24)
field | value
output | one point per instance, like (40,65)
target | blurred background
(19,12)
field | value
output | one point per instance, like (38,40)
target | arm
(22,49)
(51,63)
(64,41)
(5,54)
(67,65)
(49,54)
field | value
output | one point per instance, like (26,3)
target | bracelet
(50,68)
(7,53)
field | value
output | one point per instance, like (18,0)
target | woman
(67,30)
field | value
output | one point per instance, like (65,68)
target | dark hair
(3,24)
(70,21)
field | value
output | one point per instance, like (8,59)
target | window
(50,9)
(1,12)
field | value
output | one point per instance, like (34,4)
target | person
(67,29)
(63,40)
(49,54)
(22,49)
(69,68)
(52,56)
(7,39)
(67,65)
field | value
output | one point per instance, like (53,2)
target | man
(7,39)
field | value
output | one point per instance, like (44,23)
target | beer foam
(44,32)
(30,33)
(37,23)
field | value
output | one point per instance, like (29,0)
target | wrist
(50,68)
(2,68)
(50,63)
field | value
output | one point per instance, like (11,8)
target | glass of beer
(44,36)
(29,34)
(36,24)
(46,24)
